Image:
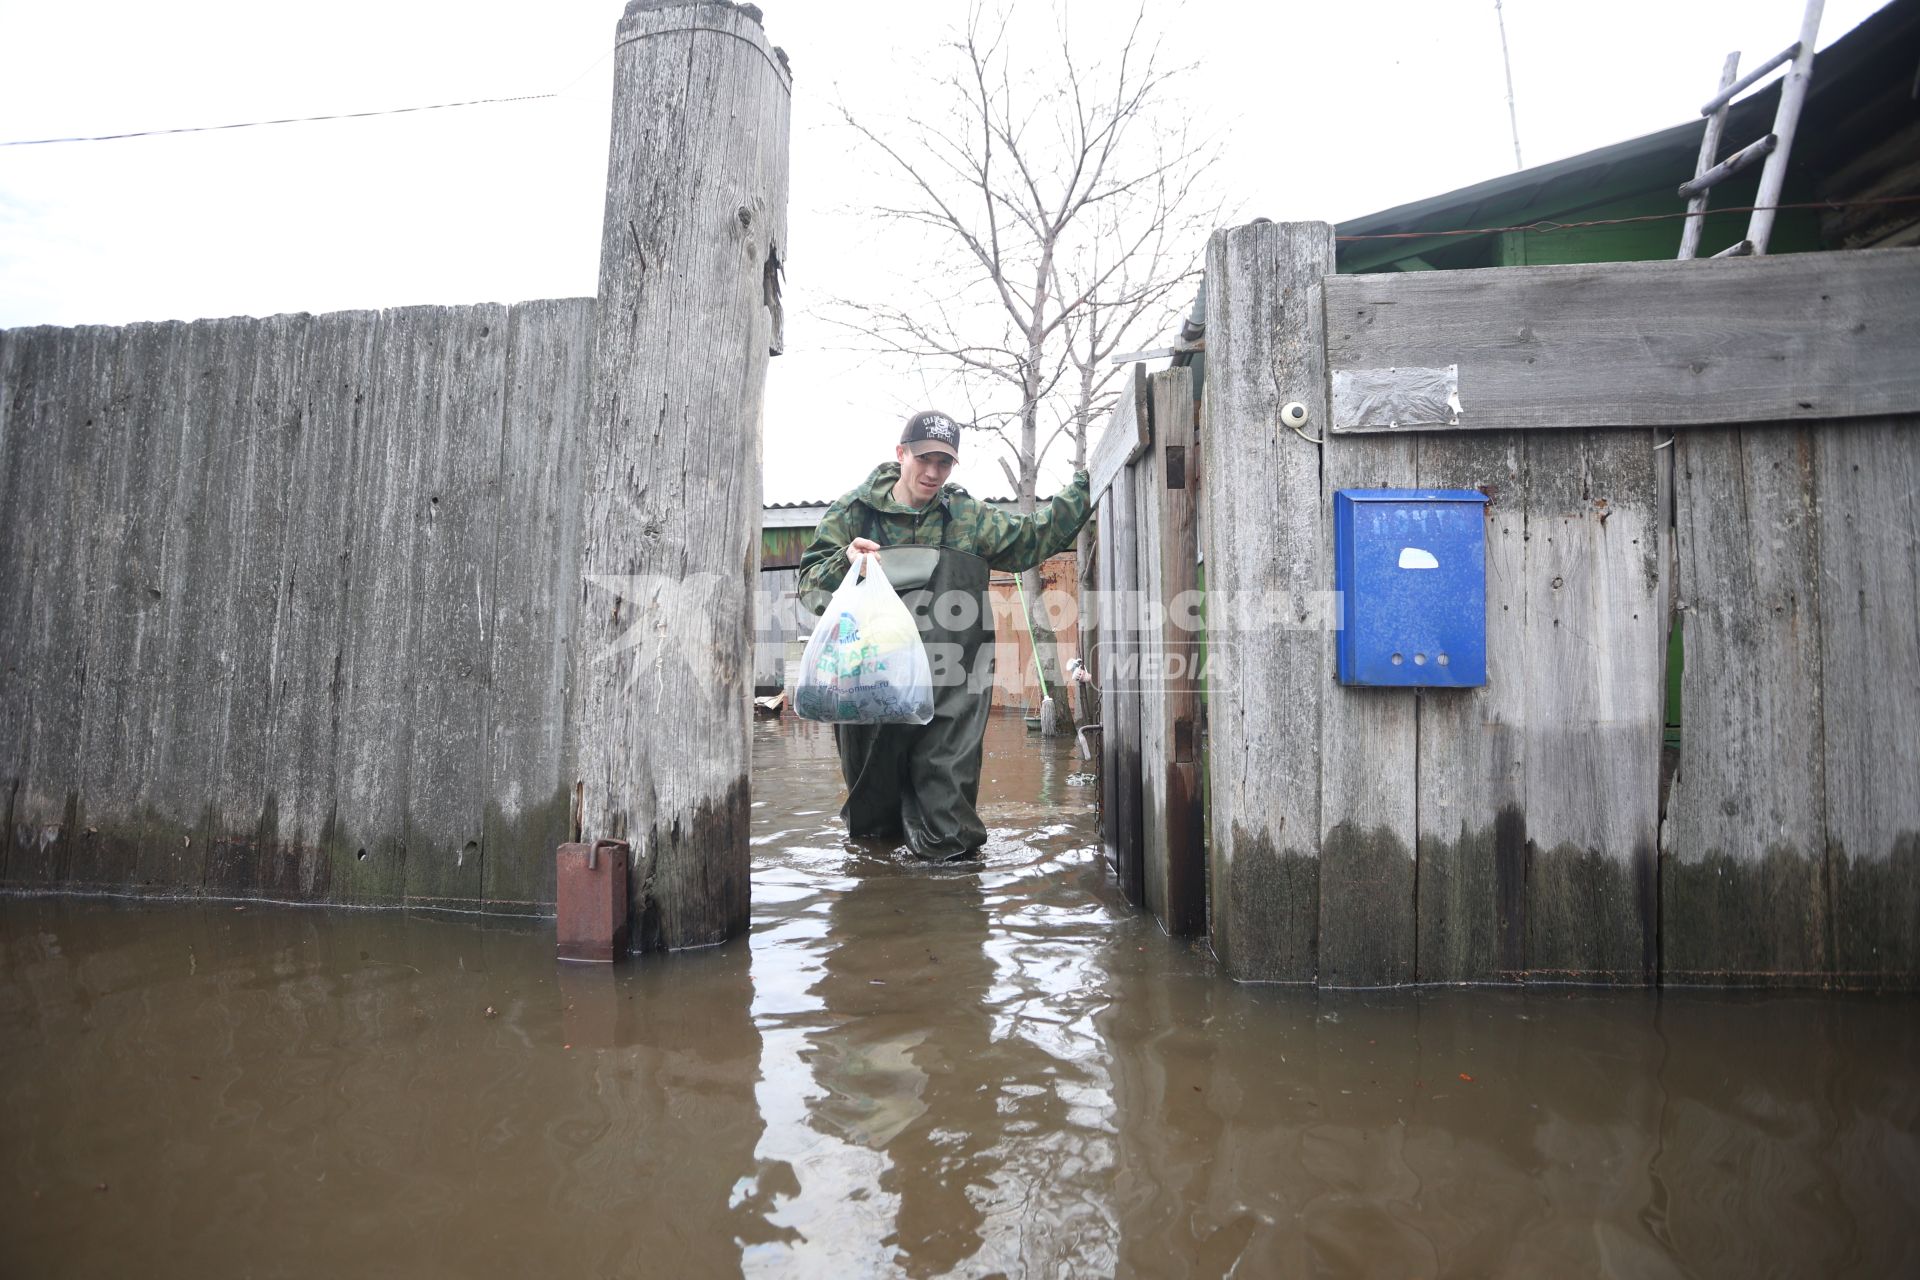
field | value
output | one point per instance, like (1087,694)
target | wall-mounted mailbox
(1411,567)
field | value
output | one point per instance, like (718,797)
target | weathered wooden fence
(1727,447)
(1143,636)
(287,602)
(381,606)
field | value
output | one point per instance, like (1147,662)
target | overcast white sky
(1329,110)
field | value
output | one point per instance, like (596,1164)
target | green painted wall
(782,548)
(1642,192)
(1794,231)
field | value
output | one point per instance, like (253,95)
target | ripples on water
(986,1069)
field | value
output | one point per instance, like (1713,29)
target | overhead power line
(341,115)
(255,124)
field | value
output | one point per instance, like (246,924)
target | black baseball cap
(931,432)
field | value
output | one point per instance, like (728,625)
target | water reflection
(915,1090)
(970,1070)
(186,1089)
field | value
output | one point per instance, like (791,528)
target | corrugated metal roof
(822,504)
(827,502)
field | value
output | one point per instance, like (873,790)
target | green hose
(1021,587)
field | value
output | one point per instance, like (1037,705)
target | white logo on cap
(939,428)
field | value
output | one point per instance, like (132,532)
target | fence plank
(1594,618)
(1743,892)
(536,572)
(1799,336)
(383,601)
(773,628)
(1177,841)
(1086,589)
(1124,691)
(20,359)
(163,390)
(453,553)
(1369,757)
(248,523)
(1868,478)
(1472,805)
(211,575)
(113,467)
(1268,578)
(1104,662)
(1129,433)
(58,384)
(210,412)
(1148,703)
(133,463)
(324,552)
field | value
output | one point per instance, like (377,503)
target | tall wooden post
(1267,575)
(688,313)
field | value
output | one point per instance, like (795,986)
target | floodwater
(988,1070)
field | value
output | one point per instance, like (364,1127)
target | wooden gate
(1145,647)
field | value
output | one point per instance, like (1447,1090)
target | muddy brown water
(995,1069)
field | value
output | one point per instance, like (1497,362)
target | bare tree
(1064,200)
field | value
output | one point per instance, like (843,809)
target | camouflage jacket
(956,519)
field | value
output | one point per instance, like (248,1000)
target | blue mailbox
(1411,567)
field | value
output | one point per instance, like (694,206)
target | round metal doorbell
(1294,414)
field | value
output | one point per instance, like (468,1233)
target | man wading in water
(936,544)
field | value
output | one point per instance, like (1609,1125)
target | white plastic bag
(865,663)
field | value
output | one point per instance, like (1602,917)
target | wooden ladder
(1773,148)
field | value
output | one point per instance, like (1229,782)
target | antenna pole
(1506,60)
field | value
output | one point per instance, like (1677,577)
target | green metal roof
(1863,102)
(1859,86)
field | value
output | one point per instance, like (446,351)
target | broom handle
(1021,587)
